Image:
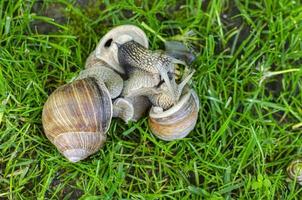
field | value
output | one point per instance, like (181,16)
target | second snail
(122,78)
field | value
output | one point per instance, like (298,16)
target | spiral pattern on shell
(76,117)
(294,170)
(176,122)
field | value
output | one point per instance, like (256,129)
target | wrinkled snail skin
(144,84)
(176,122)
(294,171)
(76,117)
(134,57)
(107,49)
(138,82)
(162,98)
(104,75)
(133,54)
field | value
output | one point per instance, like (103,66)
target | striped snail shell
(176,122)
(76,117)
(130,108)
(294,171)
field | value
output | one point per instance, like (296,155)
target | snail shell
(177,121)
(76,117)
(294,170)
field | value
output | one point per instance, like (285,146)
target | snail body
(132,55)
(136,55)
(174,111)
(138,81)
(104,75)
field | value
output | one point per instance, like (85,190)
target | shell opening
(76,146)
(108,43)
(107,52)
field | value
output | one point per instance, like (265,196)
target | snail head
(132,55)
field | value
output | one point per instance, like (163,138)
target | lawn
(248,78)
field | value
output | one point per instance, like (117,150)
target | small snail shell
(123,109)
(107,49)
(177,121)
(294,170)
(130,108)
(76,117)
(140,104)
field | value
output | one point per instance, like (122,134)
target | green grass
(248,77)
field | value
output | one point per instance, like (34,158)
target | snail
(123,79)
(294,171)
(107,52)
(174,110)
(76,116)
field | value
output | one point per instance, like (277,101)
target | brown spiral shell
(176,122)
(76,117)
